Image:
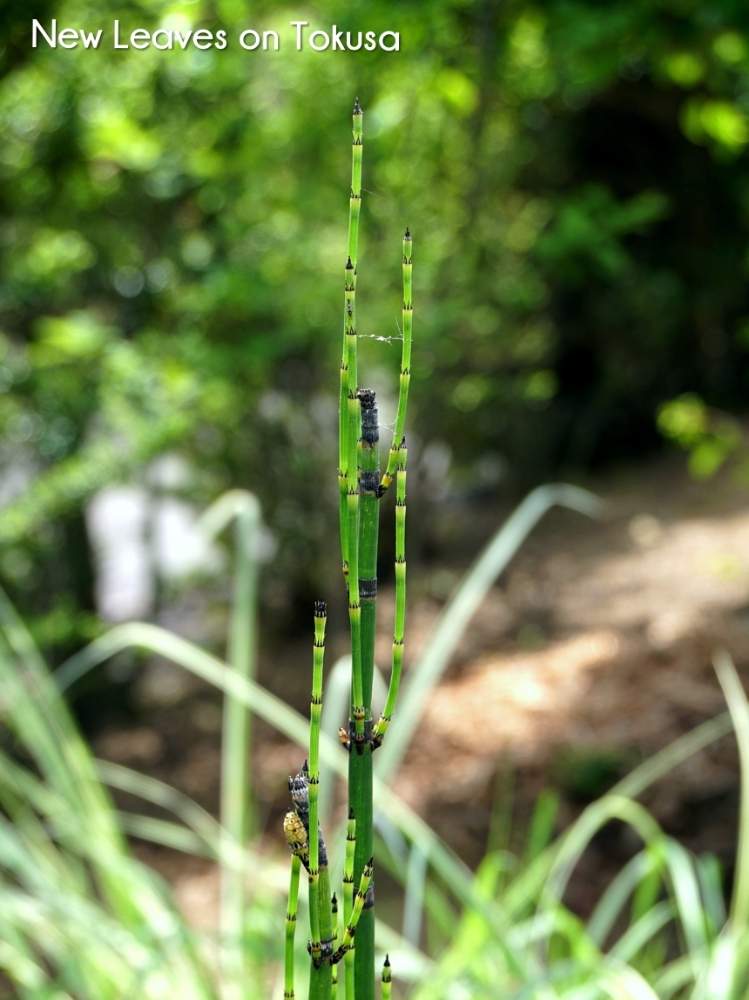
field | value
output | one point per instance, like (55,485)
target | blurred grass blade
(541,828)
(613,901)
(738,706)
(527,884)
(236,798)
(413,906)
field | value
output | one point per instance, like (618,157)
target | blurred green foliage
(172,229)
(710,437)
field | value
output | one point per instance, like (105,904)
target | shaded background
(171,237)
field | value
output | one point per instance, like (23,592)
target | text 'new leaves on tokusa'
(301,36)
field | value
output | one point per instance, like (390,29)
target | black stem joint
(369,482)
(350,738)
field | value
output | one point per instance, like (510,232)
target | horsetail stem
(288,983)
(347,941)
(405,373)
(324,975)
(318,652)
(358,711)
(356,170)
(360,761)
(386,979)
(319,882)
(369,518)
(349,324)
(349,292)
(336,941)
(348,902)
(399,624)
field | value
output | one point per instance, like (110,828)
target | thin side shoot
(336,942)
(399,625)
(347,941)
(386,980)
(405,373)
(349,322)
(291,910)
(348,903)
(319,885)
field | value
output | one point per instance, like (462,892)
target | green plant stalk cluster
(360,486)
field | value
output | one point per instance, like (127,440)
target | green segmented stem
(336,941)
(360,798)
(348,903)
(349,426)
(319,883)
(386,980)
(349,295)
(358,711)
(369,519)
(288,982)
(324,974)
(360,759)
(405,374)
(399,626)
(349,325)
(347,941)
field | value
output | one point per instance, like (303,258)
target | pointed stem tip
(357,106)
(407,234)
(321,609)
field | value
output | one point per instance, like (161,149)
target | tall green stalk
(349,327)
(349,429)
(321,919)
(288,982)
(360,759)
